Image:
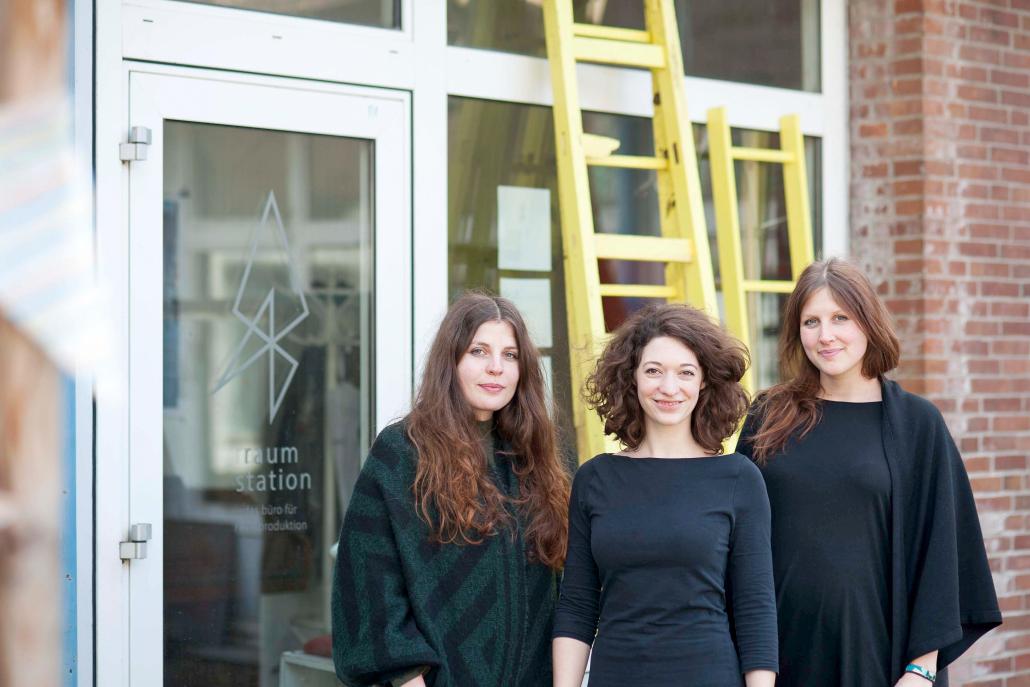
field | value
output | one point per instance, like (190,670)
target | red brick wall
(940,216)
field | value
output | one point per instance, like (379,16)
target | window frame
(416,58)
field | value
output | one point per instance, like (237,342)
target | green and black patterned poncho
(464,615)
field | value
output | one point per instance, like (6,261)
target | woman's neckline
(851,403)
(676,459)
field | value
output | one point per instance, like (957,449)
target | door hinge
(136,547)
(136,148)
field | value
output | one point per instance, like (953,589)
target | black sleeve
(578,606)
(750,574)
(952,595)
(375,636)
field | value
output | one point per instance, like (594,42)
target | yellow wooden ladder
(683,244)
(736,286)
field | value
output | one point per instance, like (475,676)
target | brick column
(940,218)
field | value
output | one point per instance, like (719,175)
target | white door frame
(129,598)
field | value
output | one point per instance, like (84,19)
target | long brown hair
(453,490)
(792,408)
(612,388)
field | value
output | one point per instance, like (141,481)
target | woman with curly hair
(446,574)
(668,538)
(880,569)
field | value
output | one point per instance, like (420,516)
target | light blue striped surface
(46,257)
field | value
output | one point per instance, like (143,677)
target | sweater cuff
(410,675)
(586,639)
(772,666)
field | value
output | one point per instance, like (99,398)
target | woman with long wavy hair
(880,569)
(668,538)
(446,574)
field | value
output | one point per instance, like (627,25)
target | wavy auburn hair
(611,388)
(792,408)
(453,490)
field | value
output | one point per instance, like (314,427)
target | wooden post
(30,444)
(32,66)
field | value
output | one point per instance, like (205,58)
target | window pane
(501,174)
(381,13)
(767,42)
(502,170)
(766,310)
(518,26)
(267,401)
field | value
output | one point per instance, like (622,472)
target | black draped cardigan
(942,594)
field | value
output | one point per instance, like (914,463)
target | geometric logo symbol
(266,337)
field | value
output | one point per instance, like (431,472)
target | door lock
(136,547)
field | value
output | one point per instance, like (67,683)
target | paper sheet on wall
(523,228)
(533,299)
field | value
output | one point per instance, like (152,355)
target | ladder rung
(611,33)
(629,162)
(762,155)
(599,146)
(638,290)
(643,248)
(768,286)
(625,53)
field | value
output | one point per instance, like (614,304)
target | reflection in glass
(767,42)
(494,144)
(267,403)
(381,13)
(766,317)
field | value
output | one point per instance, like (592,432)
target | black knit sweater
(472,614)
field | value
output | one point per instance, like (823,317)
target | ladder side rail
(795,186)
(727,222)
(670,224)
(674,274)
(582,279)
(674,133)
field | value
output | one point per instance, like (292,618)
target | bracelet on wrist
(922,672)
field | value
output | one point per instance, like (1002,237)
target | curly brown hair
(611,389)
(453,491)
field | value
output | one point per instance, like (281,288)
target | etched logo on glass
(269,232)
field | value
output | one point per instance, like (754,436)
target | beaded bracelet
(921,672)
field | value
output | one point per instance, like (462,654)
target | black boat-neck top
(654,544)
(830,494)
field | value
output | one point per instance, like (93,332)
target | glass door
(269,339)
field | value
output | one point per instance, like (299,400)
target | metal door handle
(136,546)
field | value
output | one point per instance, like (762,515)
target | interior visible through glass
(767,42)
(381,13)
(503,186)
(268,254)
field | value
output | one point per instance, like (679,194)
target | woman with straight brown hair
(881,574)
(446,574)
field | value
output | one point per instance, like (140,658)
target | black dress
(830,495)
(653,543)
